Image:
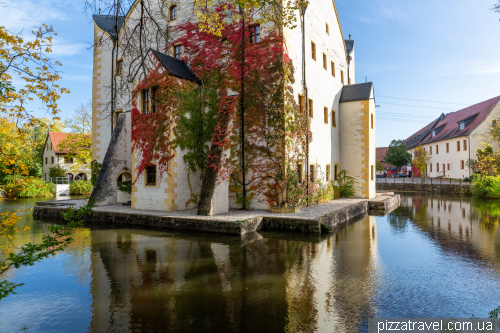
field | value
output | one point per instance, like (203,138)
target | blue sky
(444,53)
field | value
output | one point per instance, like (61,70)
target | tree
(30,61)
(78,143)
(379,166)
(397,155)
(421,160)
(496,7)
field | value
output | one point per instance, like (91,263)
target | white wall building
(54,156)
(342,113)
(453,138)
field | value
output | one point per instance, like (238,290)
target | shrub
(80,187)
(56,171)
(486,186)
(29,187)
(345,187)
(125,186)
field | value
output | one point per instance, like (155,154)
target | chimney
(349,37)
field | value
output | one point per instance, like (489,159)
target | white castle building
(342,113)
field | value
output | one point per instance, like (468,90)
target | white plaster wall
(101,94)
(323,88)
(353,153)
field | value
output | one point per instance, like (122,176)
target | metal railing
(421,180)
(60,180)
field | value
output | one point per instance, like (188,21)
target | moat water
(435,256)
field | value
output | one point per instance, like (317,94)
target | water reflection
(434,256)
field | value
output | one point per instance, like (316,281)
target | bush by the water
(80,187)
(28,187)
(56,171)
(486,186)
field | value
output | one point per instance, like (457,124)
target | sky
(425,57)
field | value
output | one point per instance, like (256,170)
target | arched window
(173,13)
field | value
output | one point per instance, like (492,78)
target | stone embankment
(316,219)
(450,189)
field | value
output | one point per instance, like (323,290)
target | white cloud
(62,48)
(25,14)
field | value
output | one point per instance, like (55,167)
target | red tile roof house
(53,156)
(453,138)
(388,170)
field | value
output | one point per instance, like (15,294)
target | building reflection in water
(152,281)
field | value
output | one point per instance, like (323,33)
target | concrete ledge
(312,220)
(451,189)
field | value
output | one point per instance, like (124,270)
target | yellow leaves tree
(29,61)
(282,13)
(420,161)
(78,143)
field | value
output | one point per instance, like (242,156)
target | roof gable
(175,67)
(448,127)
(107,22)
(357,92)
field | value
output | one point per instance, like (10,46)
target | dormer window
(173,13)
(461,126)
(433,134)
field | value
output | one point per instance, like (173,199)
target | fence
(60,180)
(428,180)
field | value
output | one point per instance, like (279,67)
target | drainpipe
(303,7)
(242,105)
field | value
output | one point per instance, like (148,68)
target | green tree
(397,155)
(379,166)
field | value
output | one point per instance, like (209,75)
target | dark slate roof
(175,67)
(349,46)
(447,126)
(107,22)
(356,92)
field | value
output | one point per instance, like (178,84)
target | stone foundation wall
(450,189)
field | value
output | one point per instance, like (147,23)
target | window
(325,115)
(462,164)
(173,13)
(327,172)
(372,173)
(372,119)
(151,175)
(430,150)
(494,123)
(299,173)
(465,145)
(437,167)
(324,62)
(430,167)
(50,147)
(336,171)
(313,50)
(458,145)
(311,112)
(437,149)
(334,118)
(447,147)
(46,160)
(154,99)
(301,103)
(52,160)
(145,101)
(119,67)
(255,33)
(461,126)
(68,160)
(327,29)
(332,65)
(342,76)
(448,166)
(433,134)
(311,173)
(178,52)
